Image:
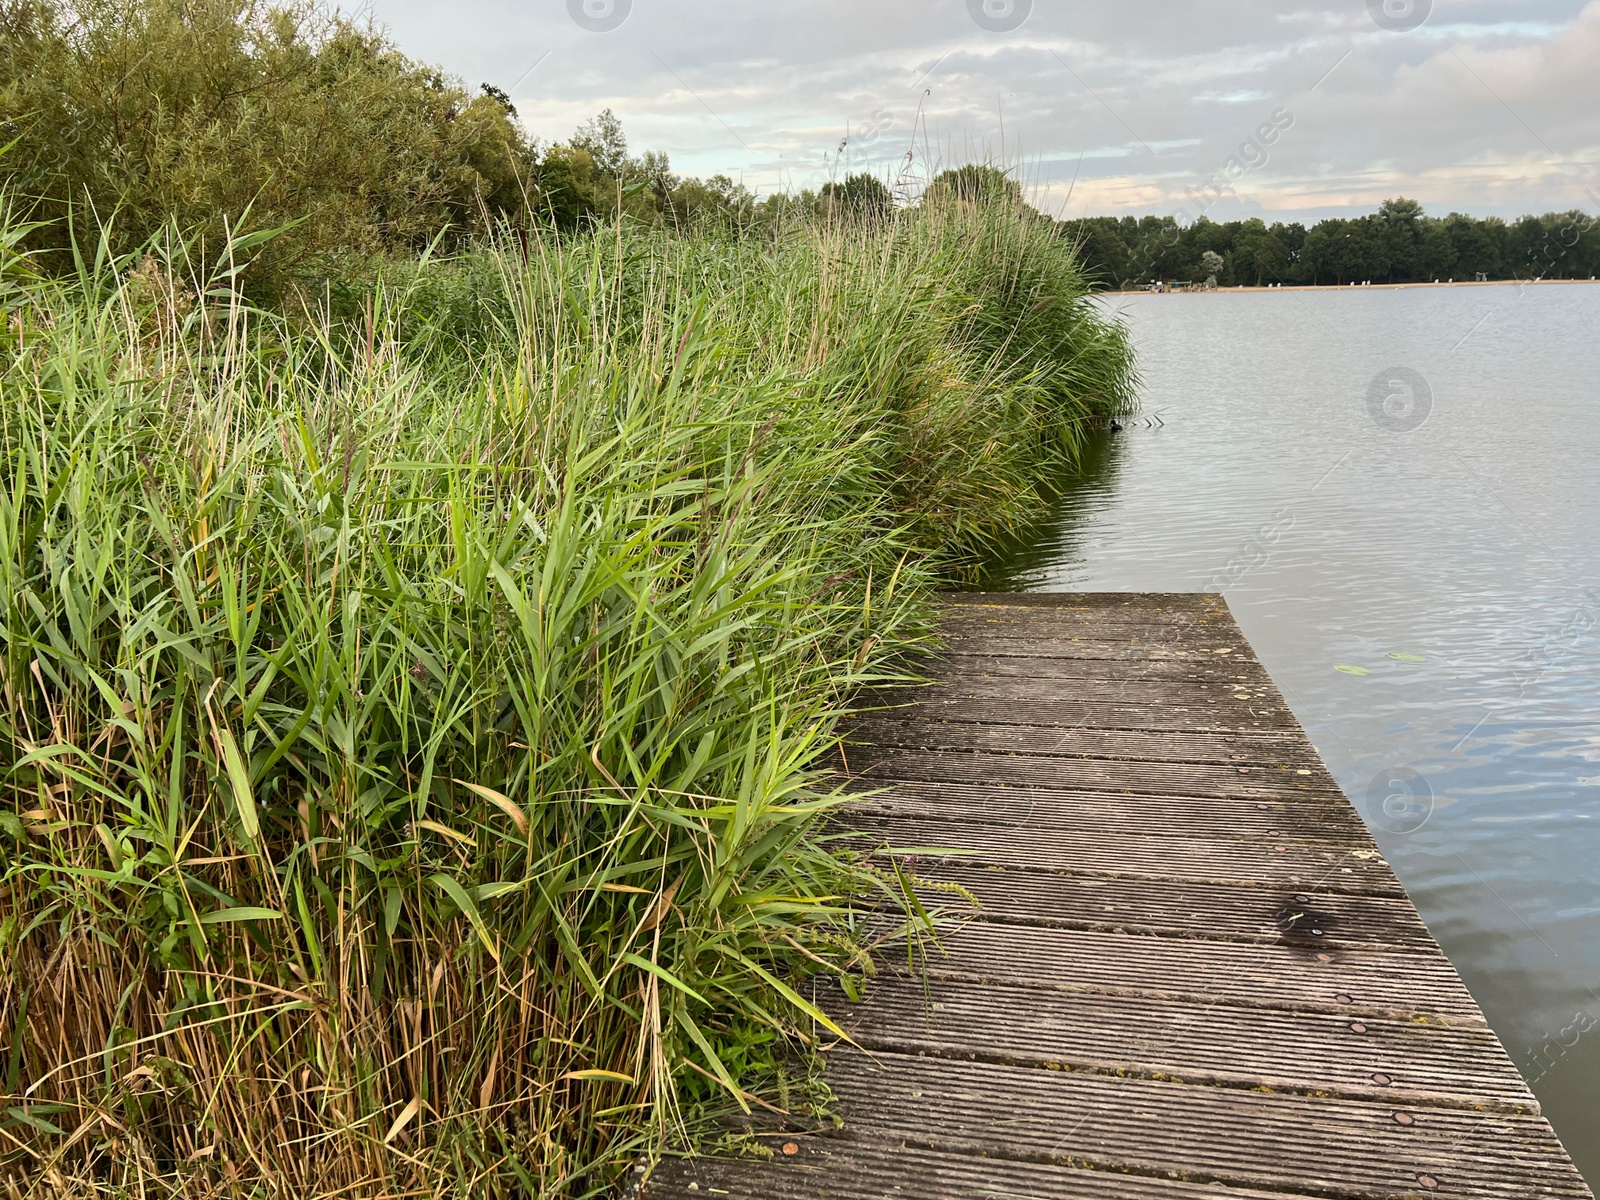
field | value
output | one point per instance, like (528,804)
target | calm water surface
(1412,472)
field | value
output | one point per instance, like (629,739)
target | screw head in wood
(1324,958)
(1343,998)
(1404,1118)
(1428,1181)
(1382,1080)
(1358,1027)
(790,1148)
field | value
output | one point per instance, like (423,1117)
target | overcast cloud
(1109,107)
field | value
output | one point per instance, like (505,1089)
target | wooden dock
(1193,975)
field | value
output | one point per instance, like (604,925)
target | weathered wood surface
(1192,974)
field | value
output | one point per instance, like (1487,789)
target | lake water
(1414,472)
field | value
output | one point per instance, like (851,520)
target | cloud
(1108,108)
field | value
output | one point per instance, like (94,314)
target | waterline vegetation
(412,720)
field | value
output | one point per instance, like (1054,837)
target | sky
(1286,111)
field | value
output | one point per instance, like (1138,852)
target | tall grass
(411,727)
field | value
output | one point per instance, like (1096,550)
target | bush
(222,116)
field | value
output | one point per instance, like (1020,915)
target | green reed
(412,726)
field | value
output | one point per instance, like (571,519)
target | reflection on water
(1036,555)
(1397,492)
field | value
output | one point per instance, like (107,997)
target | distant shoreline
(1343,287)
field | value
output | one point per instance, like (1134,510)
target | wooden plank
(1045,619)
(1289,866)
(1167,613)
(1215,716)
(1141,625)
(954,664)
(1191,645)
(1109,649)
(1216,912)
(1217,634)
(1174,693)
(869,765)
(1392,1061)
(1173,962)
(839,1169)
(1142,745)
(1244,819)
(1106,603)
(1376,983)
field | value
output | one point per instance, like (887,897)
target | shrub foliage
(228,115)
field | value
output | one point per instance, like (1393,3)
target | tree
(1399,242)
(228,115)
(975,183)
(1400,233)
(1257,253)
(719,197)
(1316,254)
(602,138)
(1100,247)
(1292,236)
(861,196)
(1438,253)
(617,183)
(567,187)
(1160,252)
(499,97)
(1211,263)
(1477,245)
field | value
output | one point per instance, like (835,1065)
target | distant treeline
(1397,244)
